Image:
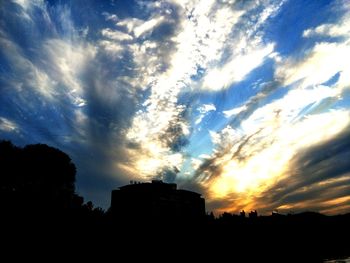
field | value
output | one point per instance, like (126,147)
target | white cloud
(148,26)
(139,27)
(196,163)
(7,125)
(236,69)
(342,28)
(227,135)
(324,60)
(130,23)
(203,33)
(288,109)
(163,114)
(31,74)
(247,50)
(319,65)
(56,72)
(25,4)
(234,111)
(204,156)
(111,48)
(203,110)
(116,35)
(67,61)
(109,16)
(148,59)
(330,30)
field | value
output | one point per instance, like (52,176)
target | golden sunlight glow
(337,201)
(250,177)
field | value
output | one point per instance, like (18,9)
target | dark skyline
(245,102)
(38,201)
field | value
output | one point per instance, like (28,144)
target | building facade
(156,201)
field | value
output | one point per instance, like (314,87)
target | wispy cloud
(209,90)
(251,158)
(203,111)
(234,111)
(7,125)
(201,40)
(236,69)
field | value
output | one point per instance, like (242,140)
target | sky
(245,102)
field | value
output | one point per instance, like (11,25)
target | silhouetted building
(156,200)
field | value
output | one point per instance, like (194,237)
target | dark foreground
(307,237)
(43,217)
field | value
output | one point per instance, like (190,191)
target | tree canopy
(37,173)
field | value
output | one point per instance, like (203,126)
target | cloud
(246,50)
(7,125)
(115,35)
(318,180)
(139,27)
(340,29)
(66,63)
(264,91)
(250,159)
(148,26)
(33,76)
(162,123)
(203,110)
(199,41)
(234,111)
(324,60)
(236,69)
(321,63)
(25,4)
(108,16)
(115,50)
(262,155)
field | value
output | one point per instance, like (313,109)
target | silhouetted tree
(49,172)
(36,176)
(10,156)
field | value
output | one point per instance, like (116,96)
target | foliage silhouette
(36,177)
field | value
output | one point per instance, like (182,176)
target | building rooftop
(156,199)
